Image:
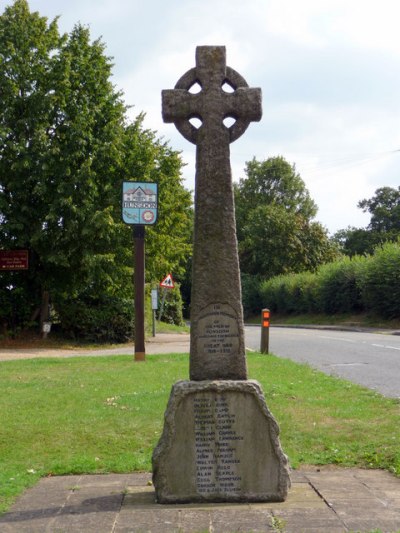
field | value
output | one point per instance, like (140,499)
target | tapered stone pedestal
(220,444)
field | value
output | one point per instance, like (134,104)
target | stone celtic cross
(217,348)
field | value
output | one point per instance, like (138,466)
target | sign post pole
(164,295)
(139,208)
(166,283)
(138,237)
(154,307)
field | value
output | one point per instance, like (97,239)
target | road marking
(392,347)
(336,338)
(347,364)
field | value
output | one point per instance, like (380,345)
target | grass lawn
(105,414)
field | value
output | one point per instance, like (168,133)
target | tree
(168,243)
(65,148)
(27,44)
(357,241)
(384,207)
(274,213)
(384,225)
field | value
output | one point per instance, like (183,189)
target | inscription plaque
(218,331)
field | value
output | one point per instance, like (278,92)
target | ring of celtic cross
(234,80)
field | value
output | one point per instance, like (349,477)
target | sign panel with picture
(139,203)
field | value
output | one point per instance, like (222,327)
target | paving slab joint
(328,504)
(278,524)
(117,514)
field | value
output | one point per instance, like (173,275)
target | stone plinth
(220,444)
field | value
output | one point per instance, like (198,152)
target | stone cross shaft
(217,348)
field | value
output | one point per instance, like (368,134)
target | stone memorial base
(220,444)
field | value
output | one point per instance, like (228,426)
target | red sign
(167,282)
(14,259)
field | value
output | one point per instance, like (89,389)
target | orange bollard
(265,322)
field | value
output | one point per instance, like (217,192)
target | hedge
(380,281)
(97,319)
(349,285)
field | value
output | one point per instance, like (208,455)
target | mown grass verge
(105,414)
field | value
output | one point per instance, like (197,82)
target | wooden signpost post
(139,208)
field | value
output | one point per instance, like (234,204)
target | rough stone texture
(217,339)
(220,443)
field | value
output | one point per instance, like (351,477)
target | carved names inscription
(220,443)
(216,445)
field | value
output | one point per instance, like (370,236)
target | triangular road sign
(167,282)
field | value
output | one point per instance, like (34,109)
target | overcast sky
(329,71)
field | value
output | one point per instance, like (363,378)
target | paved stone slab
(254,520)
(126,503)
(298,520)
(150,521)
(89,509)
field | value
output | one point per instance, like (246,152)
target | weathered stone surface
(220,443)
(216,343)
(216,293)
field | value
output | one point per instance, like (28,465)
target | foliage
(172,306)
(357,241)
(14,303)
(105,414)
(290,293)
(273,207)
(251,299)
(339,286)
(349,285)
(65,148)
(274,181)
(168,242)
(100,318)
(384,225)
(384,207)
(380,281)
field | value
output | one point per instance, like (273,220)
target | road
(369,359)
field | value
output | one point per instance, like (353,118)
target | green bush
(251,297)
(290,293)
(350,285)
(338,286)
(15,310)
(19,298)
(172,307)
(274,294)
(97,319)
(380,281)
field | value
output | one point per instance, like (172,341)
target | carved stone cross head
(213,103)
(217,349)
